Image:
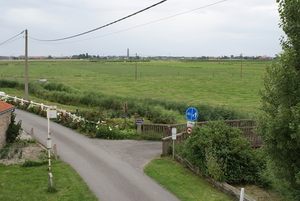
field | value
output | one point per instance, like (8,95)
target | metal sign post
(51,113)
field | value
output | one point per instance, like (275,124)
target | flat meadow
(229,83)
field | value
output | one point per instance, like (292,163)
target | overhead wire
(11,39)
(178,14)
(101,27)
(165,18)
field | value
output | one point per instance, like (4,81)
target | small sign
(191,114)
(190,124)
(189,130)
(174,133)
(139,121)
(52,112)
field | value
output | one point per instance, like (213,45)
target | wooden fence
(164,131)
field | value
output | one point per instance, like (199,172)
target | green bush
(13,130)
(10,84)
(31,163)
(106,132)
(223,154)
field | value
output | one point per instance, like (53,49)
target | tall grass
(216,89)
(152,109)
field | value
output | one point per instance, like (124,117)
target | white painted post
(174,131)
(51,113)
(42,106)
(50,176)
(242,195)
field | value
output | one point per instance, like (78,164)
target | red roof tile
(5,107)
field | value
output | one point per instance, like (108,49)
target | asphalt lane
(112,169)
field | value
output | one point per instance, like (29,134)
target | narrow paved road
(112,169)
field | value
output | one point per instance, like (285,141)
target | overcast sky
(173,28)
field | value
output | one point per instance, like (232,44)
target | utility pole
(241,65)
(26,65)
(135,66)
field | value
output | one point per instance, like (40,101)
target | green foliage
(157,111)
(31,163)
(107,132)
(166,111)
(10,84)
(280,118)
(290,21)
(10,150)
(13,130)
(223,154)
(4,151)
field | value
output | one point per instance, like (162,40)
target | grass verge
(31,183)
(182,182)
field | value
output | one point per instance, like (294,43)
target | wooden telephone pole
(26,65)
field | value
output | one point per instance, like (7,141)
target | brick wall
(4,122)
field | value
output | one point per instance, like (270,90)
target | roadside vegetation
(182,182)
(187,186)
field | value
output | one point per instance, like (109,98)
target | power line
(11,39)
(178,14)
(189,11)
(121,19)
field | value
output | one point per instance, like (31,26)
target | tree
(280,119)
(13,130)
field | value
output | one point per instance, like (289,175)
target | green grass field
(215,83)
(31,183)
(182,182)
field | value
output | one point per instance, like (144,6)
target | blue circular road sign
(191,114)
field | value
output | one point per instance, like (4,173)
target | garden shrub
(106,132)
(10,84)
(13,130)
(223,154)
(31,163)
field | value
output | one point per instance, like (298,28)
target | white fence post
(242,195)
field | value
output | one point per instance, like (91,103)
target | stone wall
(4,122)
